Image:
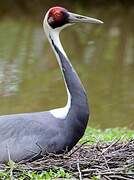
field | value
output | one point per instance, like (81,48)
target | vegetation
(97,135)
(29,175)
(92,135)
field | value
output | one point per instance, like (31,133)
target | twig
(78,148)
(106,177)
(120,177)
(112,144)
(78,167)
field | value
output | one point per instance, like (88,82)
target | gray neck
(79,102)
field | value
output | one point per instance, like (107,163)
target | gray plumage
(28,136)
(24,136)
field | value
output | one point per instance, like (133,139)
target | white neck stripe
(60,113)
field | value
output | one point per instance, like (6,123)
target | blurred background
(103,56)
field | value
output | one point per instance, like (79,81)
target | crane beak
(74,18)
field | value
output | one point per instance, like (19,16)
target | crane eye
(57,17)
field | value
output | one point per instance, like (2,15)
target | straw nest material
(113,160)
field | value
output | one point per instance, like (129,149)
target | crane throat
(61,113)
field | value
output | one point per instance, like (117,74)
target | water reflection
(103,56)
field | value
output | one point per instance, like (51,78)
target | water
(103,56)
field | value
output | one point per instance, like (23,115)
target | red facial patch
(57,16)
(56,13)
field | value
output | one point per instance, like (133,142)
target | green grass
(96,135)
(92,135)
(31,175)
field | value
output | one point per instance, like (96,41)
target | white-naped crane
(28,136)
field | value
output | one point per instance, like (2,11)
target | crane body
(29,136)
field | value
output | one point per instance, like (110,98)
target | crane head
(58,18)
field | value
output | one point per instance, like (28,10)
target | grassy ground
(92,136)
(96,135)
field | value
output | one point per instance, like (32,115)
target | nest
(113,160)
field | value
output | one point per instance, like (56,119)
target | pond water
(103,56)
